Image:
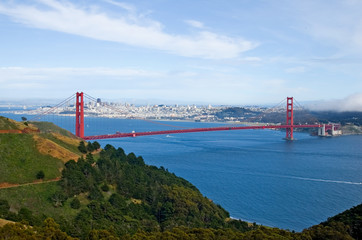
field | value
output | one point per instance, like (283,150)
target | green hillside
(20,160)
(351,218)
(27,148)
(7,124)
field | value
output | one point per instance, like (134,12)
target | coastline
(346,129)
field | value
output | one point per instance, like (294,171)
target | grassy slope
(22,156)
(58,135)
(7,124)
(20,160)
(37,199)
(48,127)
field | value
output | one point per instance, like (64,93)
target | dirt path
(12,185)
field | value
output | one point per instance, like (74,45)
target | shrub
(75,203)
(40,175)
(105,188)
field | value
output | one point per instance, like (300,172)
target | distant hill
(340,117)
(300,116)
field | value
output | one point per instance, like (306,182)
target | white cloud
(222,87)
(350,103)
(334,23)
(195,24)
(131,29)
(123,5)
(9,74)
(58,82)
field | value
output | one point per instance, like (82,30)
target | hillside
(27,148)
(352,218)
(119,193)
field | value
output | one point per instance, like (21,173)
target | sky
(235,52)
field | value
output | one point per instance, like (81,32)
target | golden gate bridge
(289,125)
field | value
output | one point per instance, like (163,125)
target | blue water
(253,174)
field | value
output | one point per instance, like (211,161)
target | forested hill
(121,194)
(120,197)
(351,218)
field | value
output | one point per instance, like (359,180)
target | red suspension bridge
(79,107)
(289,125)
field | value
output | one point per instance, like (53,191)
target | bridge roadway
(191,130)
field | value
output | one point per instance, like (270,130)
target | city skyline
(239,53)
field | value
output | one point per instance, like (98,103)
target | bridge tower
(79,115)
(289,130)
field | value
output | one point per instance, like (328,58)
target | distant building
(99,100)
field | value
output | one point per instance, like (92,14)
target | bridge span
(289,126)
(193,130)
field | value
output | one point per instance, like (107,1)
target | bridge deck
(191,130)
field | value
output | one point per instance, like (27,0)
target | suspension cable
(262,113)
(303,108)
(38,116)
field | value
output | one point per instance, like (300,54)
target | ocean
(254,174)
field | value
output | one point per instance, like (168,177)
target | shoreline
(355,131)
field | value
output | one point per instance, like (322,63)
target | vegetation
(49,230)
(9,124)
(24,156)
(20,160)
(119,197)
(40,175)
(89,148)
(141,198)
(48,127)
(38,199)
(351,218)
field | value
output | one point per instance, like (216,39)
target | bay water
(254,174)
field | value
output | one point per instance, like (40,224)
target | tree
(58,199)
(95,194)
(24,119)
(82,148)
(90,147)
(96,145)
(40,175)
(105,188)
(75,203)
(4,208)
(89,158)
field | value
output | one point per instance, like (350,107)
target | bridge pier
(322,131)
(79,115)
(290,119)
(329,130)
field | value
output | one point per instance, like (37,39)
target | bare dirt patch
(48,147)
(11,131)
(3,222)
(71,141)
